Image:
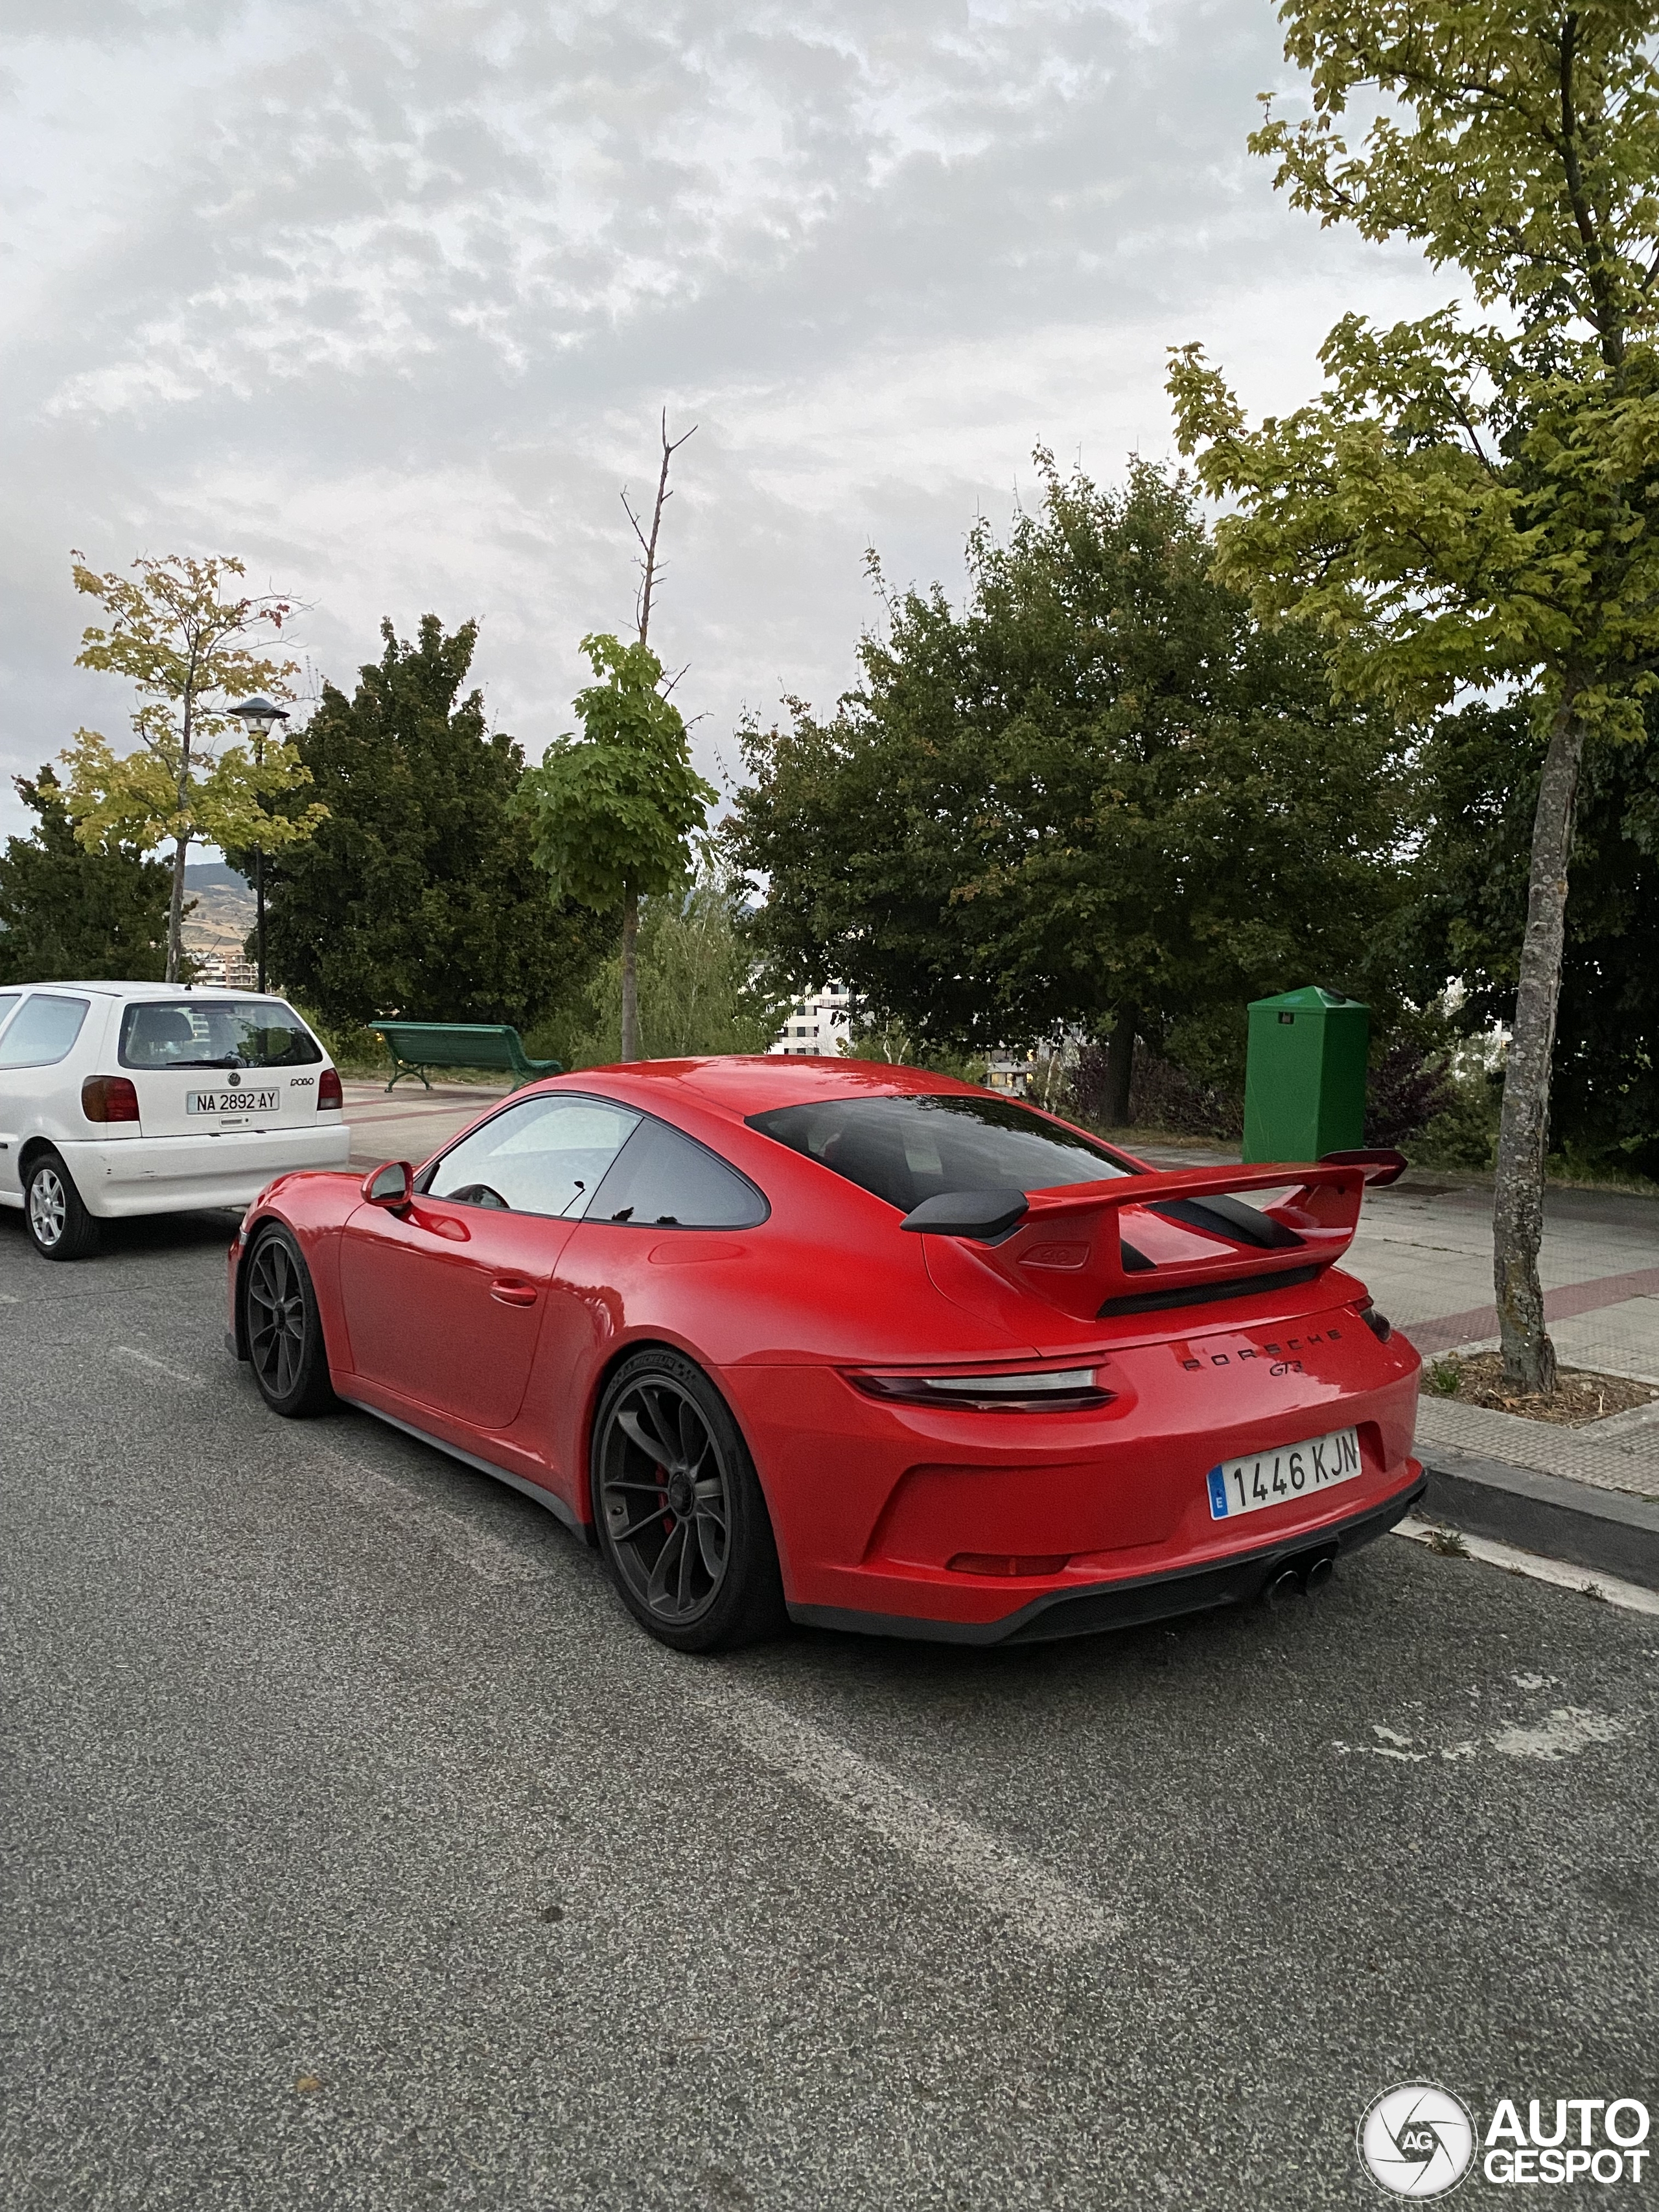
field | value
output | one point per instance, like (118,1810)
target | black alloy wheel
(284,1333)
(681,1517)
(59,1226)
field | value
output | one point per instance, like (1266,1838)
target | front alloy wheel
(284,1333)
(682,1521)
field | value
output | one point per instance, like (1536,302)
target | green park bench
(417,1048)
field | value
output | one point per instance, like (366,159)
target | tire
(283,1330)
(696,1566)
(59,1226)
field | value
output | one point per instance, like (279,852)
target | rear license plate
(233,1102)
(1251,1486)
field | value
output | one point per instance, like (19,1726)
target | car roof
(103,988)
(744,1084)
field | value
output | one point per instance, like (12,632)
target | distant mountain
(223,917)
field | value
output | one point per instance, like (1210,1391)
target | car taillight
(109,1098)
(1029,1390)
(328,1093)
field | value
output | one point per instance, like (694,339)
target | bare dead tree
(651,569)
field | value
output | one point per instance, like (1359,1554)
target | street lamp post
(260,719)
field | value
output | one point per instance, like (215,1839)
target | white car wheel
(59,1226)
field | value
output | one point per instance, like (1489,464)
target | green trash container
(1304,1083)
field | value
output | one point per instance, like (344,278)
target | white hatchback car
(122,1099)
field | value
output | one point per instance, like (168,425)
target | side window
(664,1180)
(7,1004)
(545,1154)
(43,1032)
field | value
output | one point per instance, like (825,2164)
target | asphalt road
(361,1853)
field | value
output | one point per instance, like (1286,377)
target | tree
(612,816)
(417,895)
(184,647)
(1482,768)
(698,991)
(631,798)
(66,913)
(1098,797)
(1468,505)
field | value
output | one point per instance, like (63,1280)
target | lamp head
(259,717)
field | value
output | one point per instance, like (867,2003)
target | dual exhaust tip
(1302,1575)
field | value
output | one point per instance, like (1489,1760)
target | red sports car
(856,1344)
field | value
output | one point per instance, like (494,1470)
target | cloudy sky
(386,296)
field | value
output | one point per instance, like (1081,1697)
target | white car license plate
(1251,1486)
(233,1102)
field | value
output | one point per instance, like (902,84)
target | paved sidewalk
(410,1123)
(1425,1253)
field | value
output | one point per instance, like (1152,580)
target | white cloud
(386,298)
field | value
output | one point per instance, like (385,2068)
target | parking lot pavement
(410,1123)
(361,1853)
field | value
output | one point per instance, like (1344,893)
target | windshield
(905,1149)
(215,1033)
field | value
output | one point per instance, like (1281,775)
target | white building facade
(819,1024)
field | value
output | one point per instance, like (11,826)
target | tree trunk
(1523,1133)
(630,991)
(176,912)
(1119,1069)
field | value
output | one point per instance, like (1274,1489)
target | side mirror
(392,1186)
(983,1215)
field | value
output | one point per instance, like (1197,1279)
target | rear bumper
(119,1176)
(1238,1579)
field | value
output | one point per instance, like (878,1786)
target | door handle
(507,1292)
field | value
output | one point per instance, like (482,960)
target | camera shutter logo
(1417,2140)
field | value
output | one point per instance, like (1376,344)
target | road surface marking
(1631,1596)
(1043,1905)
(160,1366)
(1568,1729)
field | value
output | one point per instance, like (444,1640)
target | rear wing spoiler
(1188,1241)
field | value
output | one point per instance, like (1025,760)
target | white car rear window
(215,1033)
(43,1032)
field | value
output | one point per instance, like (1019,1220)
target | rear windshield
(906,1150)
(215,1033)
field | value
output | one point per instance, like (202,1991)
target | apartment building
(817,1023)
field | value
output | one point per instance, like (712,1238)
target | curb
(1605,1530)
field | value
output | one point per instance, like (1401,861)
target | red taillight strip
(958,1392)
